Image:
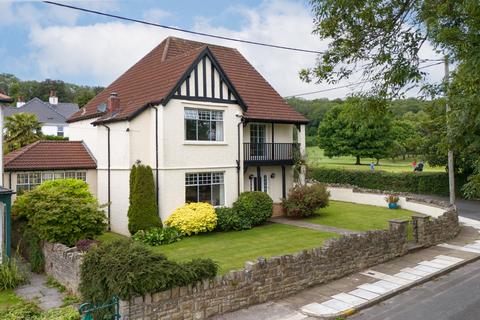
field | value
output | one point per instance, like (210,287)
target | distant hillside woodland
(377,130)
(66,92)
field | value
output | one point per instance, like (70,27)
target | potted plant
(392,201)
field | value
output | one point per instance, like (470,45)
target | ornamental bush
(421,182)
(254,206)
(158,236)
(143,209)
(303,201)
(128,268)
(228,219)
(61,211)
(193,218)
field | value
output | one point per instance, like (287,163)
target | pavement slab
(38,291)
(368,287)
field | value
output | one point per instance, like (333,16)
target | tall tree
(385,37)
(361,128)
(21,129)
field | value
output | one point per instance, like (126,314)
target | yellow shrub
(193,218)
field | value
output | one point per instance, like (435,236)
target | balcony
(270,153)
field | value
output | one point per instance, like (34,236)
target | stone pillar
(419,222)
(399,226)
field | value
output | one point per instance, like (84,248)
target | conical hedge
(143,210)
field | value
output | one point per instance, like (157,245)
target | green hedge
(435,183)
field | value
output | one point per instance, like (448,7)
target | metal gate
(105,311)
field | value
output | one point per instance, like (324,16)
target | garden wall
(63,263)
(277,277)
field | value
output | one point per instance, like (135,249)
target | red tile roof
(5,98)
(152,78)
(50,155)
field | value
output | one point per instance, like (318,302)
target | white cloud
(156,15)
(102,51)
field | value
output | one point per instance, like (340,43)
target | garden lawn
(357,217)
(8,299)
(316,158)
(108,237)
(232,249)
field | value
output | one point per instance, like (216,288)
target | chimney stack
(113,102)
(20,101)
(53,98)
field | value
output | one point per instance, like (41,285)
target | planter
(393,205)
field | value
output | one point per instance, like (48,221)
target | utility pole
(451,170)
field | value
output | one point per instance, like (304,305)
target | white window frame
(265,183)
(200,114)
(43,175)
(194,179)
(60,131)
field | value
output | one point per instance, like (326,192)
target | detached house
(52,114)
(202,117)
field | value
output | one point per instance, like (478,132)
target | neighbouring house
(203,118)
(52,114)
(27,167)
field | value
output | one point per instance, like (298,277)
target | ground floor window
(205,187)
(29,180)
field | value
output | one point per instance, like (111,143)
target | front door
(258,134)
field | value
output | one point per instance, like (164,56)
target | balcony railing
(281,153)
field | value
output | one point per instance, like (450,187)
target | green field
(315,158)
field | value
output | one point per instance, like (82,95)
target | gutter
(108,175)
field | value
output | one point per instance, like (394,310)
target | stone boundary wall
(274,278)
(63,264)
(277,277)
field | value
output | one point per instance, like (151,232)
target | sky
(40,41)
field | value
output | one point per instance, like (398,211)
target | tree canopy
(361,127)
(383,40)
(21,129)
(66,92)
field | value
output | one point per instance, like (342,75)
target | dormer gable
(205,80)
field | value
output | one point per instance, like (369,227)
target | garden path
(313,226)
(38,291)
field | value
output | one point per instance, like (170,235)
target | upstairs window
(203,125)
(60,132)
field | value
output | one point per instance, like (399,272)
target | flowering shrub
(158,236)
(303,201)
(193,218)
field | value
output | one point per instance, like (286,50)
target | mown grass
(316,158)
(232,249)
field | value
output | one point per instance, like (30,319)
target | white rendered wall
(347,195)
(274,184)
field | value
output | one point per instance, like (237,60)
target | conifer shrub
(303,201)
(61,211)
(127,269)
(254,206)
(193,218)
(143,210)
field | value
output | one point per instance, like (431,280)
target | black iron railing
(271,152)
